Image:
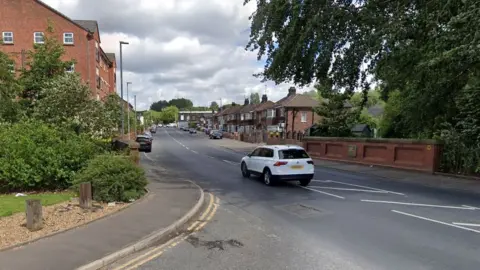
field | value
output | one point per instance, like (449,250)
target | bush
(113,178)
(35,156)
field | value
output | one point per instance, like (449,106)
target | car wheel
(267,177)
(245,172)
(305,182)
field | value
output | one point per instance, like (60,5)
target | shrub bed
(113,178)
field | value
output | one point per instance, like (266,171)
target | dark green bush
(35,156)
(113,178)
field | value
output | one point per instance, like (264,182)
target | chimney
(246,101)
(264,98)
(292,91)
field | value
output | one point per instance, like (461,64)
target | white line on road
(476,208)
(187,148)
(321,181)
(420,204)
(354,185)
(148,157)
(436,221)
(194,151)
(231,162)
(322,192)
(350,189)
(209,156)
(466,224)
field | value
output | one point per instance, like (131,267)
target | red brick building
(24,23)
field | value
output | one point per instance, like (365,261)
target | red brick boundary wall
(419,155)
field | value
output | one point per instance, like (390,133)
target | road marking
(466,224)
(231,162)
(158,251)
(420,204)
(210,204)
(321,181)
(436,221)
(194,151)
(187,148)
(350,189)
(354,185)
(322,192)
(209,156)
(476,208)
(148,157)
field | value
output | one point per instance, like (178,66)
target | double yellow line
(158,251)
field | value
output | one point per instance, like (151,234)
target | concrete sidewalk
(418,178)
(169,200)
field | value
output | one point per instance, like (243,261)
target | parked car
(148,134)
(193,131)
(153,130)
(145,143)
(215,134)
(279,163)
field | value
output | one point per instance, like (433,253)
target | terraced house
(24,23)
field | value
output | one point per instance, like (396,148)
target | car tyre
(245,172)
(305,182)
(267,177)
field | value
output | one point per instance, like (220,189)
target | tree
(181,103)
(44,64)
(10,110)
(214,106)
(159,105)
(254,98)
(169,114)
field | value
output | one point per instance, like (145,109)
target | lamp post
(128,111)
(135,108)
(121,87)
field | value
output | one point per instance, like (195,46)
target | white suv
(279,162)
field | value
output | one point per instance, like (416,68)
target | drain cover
(301,210)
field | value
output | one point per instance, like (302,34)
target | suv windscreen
(292,154)
(142,139)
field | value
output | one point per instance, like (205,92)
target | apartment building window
(182,117)
(38,38)
(99,81)
(7,37)
(67,38)
(282,112)
(303,117)
(242,116)
(70,69)
(97,54)
(271,113)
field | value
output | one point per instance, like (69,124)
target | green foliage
(35,156)
(214,106)
(169,114)
(181,103)
(158,105)
(113,178)
(255,98)
(10,110)
(44,64)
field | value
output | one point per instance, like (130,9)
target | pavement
(170,198)
(342,220)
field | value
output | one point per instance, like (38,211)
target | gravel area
(56,218)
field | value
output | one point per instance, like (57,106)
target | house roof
(248,108)
(226,111)
(360,128)
(111,57)
(266,105)
(91,25)
(297,101)
(75,22)
(236,109)
(376,110)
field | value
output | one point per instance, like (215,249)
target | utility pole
(128,111)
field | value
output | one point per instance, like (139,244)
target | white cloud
(178,48)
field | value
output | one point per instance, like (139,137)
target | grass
(9,204)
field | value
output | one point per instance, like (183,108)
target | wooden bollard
(34,214)
(85,199)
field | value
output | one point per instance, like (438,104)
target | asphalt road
(342,221)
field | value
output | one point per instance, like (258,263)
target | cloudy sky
(179,48)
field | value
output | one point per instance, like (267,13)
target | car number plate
(297,167)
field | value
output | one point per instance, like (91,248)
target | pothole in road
(216,244)
(301,210)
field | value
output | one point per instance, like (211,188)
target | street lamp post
(121,87)
(135,108)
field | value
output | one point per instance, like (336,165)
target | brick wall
(420,155)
